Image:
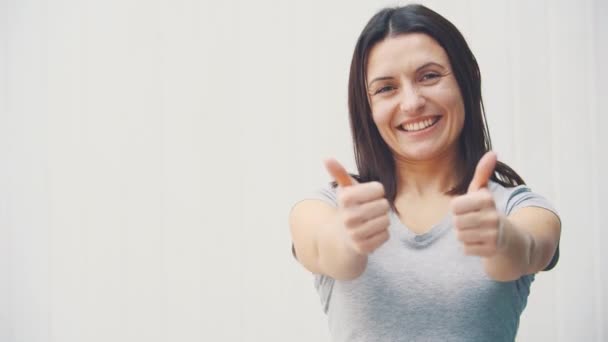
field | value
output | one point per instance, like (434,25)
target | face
(414,97)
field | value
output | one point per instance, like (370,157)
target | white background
(150,151)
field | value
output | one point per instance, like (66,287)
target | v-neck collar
(404,234)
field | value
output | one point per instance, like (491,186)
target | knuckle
(358,249)
(493,219)
(352,238)
(487,198)
(453,206)
(384,221)
(385,205)
(460,236)
(350,219)
(457,220)
(492,244)
(493,236)
(357,235)
(365,248)
(457,203)
(346,199)
(378,188)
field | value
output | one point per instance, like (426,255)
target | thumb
(338,172)
(483,171)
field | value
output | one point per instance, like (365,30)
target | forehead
(404,52)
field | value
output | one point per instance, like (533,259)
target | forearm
(335,258)
(514,257)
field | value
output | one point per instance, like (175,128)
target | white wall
(150,152)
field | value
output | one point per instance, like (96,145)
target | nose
(411,100)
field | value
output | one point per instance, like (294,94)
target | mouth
(420,125)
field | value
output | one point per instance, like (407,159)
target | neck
(421,178)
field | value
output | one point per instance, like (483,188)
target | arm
(529,241)
(318,243)
(336,241)
(522,243)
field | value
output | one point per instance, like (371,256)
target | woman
(434,240)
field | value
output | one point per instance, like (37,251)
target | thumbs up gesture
(362,211)
(477,222)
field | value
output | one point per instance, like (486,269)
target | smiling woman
(434,239)
(414,97)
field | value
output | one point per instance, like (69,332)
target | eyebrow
(384,78)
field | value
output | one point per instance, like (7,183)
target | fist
(477,222)
(363,211)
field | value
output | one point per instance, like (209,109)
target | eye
(429,77)
(384,89)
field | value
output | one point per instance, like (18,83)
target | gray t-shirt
(423,287)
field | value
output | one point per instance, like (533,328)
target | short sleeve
(326,194)
(323,284)
(521,197)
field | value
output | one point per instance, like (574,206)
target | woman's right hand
(363,211)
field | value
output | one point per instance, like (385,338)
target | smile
(419,125)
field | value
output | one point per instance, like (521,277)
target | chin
(422,154)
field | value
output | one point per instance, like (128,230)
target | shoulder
(501,192)
(327,193)
(508,199)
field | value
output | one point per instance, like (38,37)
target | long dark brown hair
(373,157)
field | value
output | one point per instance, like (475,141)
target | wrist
(504,235)
(512,258)
(507,236)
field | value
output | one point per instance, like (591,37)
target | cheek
(382,118)
(454,104)
(458,113)
(381,114)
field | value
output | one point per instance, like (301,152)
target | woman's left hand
(477,222)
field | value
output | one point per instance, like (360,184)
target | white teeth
(412,127)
